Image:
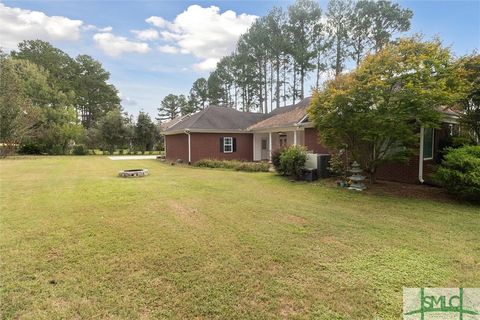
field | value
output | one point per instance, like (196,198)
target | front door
(283,141)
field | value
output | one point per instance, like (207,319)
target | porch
(264,143)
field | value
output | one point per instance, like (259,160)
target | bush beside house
(460,172)
(290,161)
(235,165)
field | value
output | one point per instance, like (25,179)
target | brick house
(225,133)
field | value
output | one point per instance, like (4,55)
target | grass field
(78,242)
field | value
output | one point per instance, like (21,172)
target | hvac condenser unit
(320,162)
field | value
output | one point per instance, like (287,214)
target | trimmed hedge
(459,172)
(233,165)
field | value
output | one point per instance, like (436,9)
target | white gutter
(420,156)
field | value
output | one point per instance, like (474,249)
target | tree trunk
(302,83)
(337,62)
(294,82)
(317,82)
(265,84)
(277,88)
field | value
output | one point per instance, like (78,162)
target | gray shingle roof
(283,117)
(218,118)
(223,118)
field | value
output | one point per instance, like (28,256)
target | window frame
(433,143)
(225,144)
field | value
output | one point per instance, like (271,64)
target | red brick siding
(176,147)
(408,172)
(312,143)
(207,146)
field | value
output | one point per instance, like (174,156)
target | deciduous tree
(377,110)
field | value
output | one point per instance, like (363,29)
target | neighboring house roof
(217,118)
(284,117)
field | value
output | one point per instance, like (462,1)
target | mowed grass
(78,242)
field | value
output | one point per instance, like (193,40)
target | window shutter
(234,144)
(221,144)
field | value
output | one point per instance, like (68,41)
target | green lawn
(78,242)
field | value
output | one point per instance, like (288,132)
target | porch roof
(283,117)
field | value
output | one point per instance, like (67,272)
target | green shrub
(80,150)
(252,166)
(276,159)
(30,148)
(233,165)
(459,172)
(292,160)
(337,166)
(56,150)
(120,151)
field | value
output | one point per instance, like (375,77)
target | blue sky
(145,67)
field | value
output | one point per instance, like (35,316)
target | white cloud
(158,22)
(90,27)
(146,35)
(205,65)
(19,24)
(206,33)
(115,46)
(168,49)
(106,29)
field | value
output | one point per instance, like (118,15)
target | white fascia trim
(306,124)
(277,129)
(451,119)
(168,133)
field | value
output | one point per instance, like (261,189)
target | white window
(227,144)
(428,141)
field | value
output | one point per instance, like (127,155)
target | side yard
(76,241)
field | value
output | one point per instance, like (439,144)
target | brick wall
(408,172)
(311,141)
(207,146)
(176,147)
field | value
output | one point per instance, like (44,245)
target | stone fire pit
(132,173)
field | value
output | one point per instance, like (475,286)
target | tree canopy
(277,55)
(375,111)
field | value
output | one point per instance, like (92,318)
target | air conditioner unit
(320,162)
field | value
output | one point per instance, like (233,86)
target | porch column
(254,148)
(270,146)
(295,137)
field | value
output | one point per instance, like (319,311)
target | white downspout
(295,137)
(270,146)
(189,147)
(420,156)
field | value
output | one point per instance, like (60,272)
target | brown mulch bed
(404,190)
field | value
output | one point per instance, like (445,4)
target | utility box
(320,162)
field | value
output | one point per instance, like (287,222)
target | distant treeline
(50,102)
(280,51)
